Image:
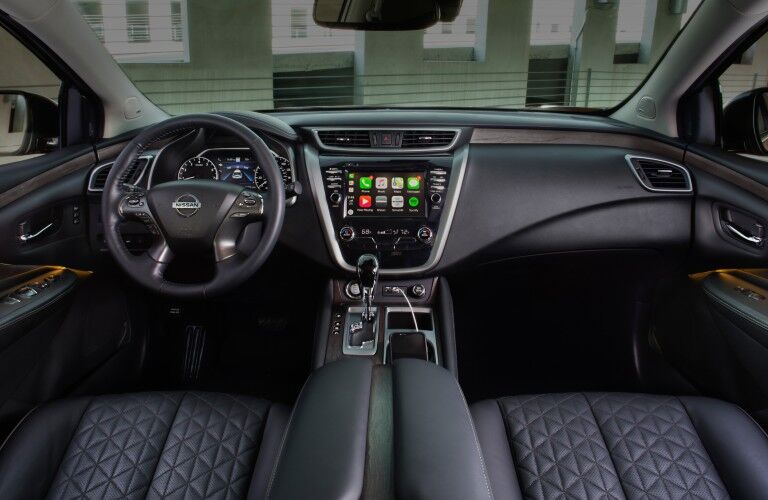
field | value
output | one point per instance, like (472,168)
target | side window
(744,91)
(29,112)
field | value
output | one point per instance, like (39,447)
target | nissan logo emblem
(186,205)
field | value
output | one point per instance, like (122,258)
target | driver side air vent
(134,174)
(427,138)
(660,175)
(345,138)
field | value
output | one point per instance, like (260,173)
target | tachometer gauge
(198,168)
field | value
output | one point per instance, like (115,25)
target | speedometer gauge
(198,168)
(284,164)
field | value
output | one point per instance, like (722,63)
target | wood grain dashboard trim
(728,175)
(19,191)
(575,137)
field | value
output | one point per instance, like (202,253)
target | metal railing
(588,88)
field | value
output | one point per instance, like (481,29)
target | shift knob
(367,270)
(368,274)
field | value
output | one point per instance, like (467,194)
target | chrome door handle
(748,238)
(24,238)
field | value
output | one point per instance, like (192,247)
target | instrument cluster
(235,165)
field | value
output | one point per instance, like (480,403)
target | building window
(91,12)
(551,22)
(177,24)
(137,20)
(298,23)
(461,32)
(471,26)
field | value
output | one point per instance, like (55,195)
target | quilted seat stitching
(552,450)
(653,425)
(119,442)
(90,426)
(648,442)
(229,474)
(602,435)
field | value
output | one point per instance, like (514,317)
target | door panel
(44,215)
(58,327)
(713,324)
(731,210)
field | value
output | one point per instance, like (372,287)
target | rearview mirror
(745,123)
(29,124)
(382,15)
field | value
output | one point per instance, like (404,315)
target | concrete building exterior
(204,55)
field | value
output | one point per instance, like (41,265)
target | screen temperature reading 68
(386,194)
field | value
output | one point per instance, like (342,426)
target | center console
(397,208)
(386,213)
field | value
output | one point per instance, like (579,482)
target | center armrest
(437,454)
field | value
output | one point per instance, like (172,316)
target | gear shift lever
(368,274)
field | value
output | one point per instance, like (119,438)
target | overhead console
(389,202)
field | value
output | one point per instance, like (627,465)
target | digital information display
(237,169)
(390,194)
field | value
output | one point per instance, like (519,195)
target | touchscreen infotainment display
(391,194)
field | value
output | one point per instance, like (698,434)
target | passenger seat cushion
(608,445)
(151,445)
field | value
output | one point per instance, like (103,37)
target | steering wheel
(190,217)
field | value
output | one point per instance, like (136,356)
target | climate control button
(347,233)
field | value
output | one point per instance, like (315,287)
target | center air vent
(660,175)
(413,139)
(417,140)
(351,139)
(134,173)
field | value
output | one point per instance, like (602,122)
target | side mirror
(29,124)
(745,123)
(381,15)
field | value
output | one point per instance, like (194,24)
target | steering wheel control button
(418,290)
(425,234)
(346,233)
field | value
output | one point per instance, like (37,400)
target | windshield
(198,56)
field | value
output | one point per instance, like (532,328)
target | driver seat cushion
(617,446)
(147,445)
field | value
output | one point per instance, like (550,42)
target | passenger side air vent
(417,139)
(660,175)
(351,139)
(134,173)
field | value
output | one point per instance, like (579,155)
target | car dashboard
(427,192)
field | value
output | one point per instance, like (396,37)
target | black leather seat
(150,445)
(616,446)
(197,445)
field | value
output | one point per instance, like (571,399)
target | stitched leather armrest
(323,452)
(437,454)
